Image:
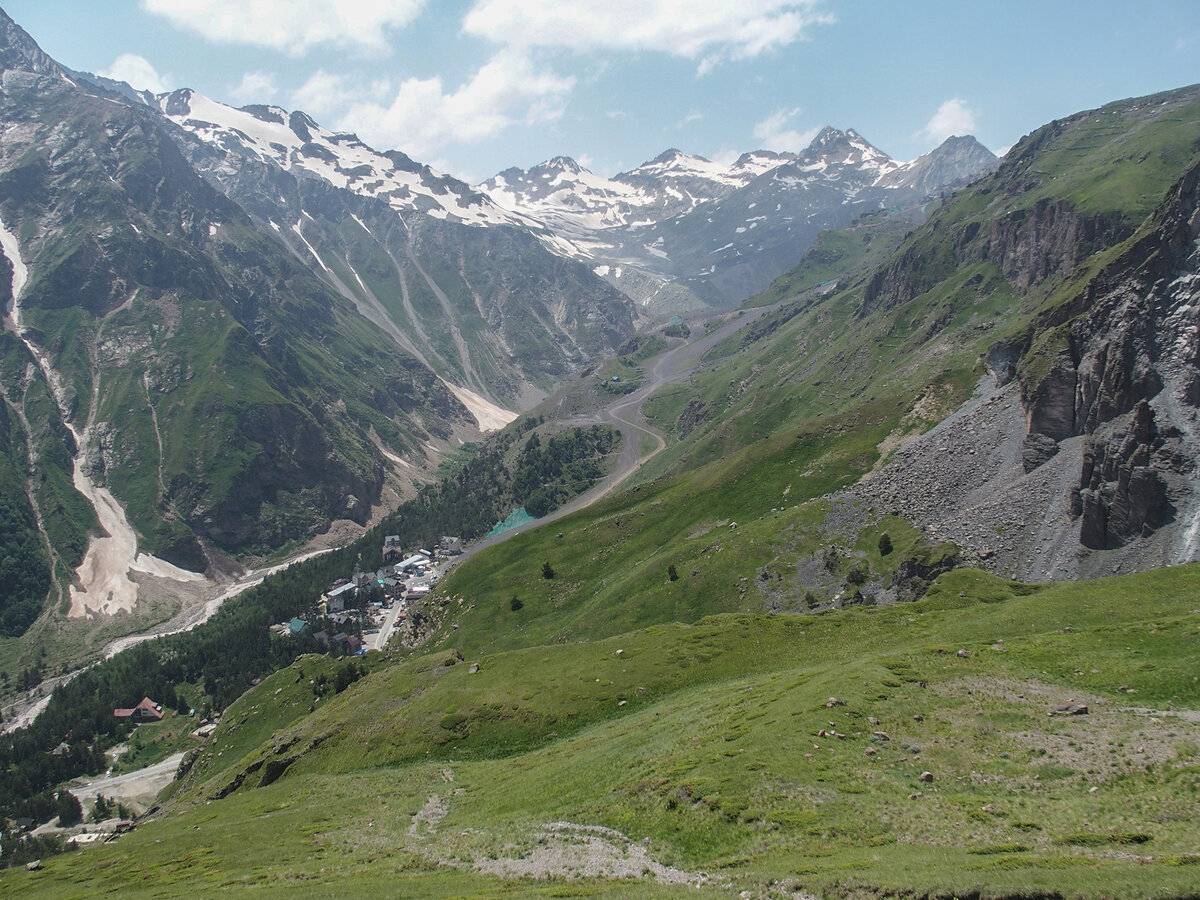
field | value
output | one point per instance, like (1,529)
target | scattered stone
(834,701)
(915,795)
(926,776)
(918,718)
(872,720)
(1070,709)
(34,866)
(619,652)
(880,736)
(963,654)
(870,751)
(473,668)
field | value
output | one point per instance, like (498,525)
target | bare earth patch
(426,821)
(569,850)
(1101,745)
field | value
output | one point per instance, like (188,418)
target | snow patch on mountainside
(301,146)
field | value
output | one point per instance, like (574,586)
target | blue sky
(476,86)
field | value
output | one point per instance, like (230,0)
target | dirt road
(625,414)
(138,789)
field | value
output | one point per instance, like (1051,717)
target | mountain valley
(815,525)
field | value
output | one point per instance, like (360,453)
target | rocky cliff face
(1129,377)
(1078,456)
(1029,246)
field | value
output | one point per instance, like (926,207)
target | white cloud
(291,26)
(953,117)
(773,133)
(420,117)
(710,31)
(137,72)
(694,115)
(255,87)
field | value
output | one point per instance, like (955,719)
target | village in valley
(355,615)
(361,612)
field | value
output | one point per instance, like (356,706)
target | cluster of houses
(359,604)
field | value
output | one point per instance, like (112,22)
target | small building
(146,711)
(297,626)
(335,600)
(391,547)
(411,564)
(450,546)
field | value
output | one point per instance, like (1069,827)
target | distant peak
(19,51)
(564,163)
(177,102)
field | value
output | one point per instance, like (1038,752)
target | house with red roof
(146,711)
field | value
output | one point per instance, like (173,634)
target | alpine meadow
(797,522)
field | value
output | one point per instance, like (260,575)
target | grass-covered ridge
(784,750)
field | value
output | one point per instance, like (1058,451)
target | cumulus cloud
(773,132)
(291,26)
(420,116)
(137,72)
(709,31)
(953,117)
(255,87)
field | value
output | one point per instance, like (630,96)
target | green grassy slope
(718,745)
(643,689)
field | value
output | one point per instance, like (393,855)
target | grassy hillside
(910,327)
(762,753)
(689,687)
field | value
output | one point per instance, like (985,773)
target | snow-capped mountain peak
(722,231)
(297,143)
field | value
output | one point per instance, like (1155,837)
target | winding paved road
(625,414)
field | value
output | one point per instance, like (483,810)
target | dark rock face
(1122,492)
(1037,450)
(914,575)
(1029,246)
(1127,373)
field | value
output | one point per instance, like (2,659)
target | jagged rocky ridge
(712,234)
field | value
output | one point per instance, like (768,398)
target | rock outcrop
(1126,374)
(1123,491)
